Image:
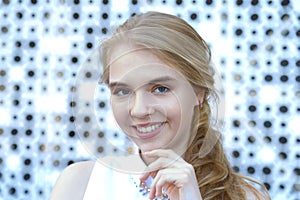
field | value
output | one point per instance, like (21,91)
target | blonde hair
(177,44)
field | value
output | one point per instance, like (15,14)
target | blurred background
(43,44)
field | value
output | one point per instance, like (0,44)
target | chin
(147,148)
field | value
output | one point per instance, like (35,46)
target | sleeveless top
(109,183)
(118,180)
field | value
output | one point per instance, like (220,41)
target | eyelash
(128,92)
(117,92)
(161,86)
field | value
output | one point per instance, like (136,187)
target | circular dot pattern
(255,46)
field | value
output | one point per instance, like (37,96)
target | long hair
(177,44)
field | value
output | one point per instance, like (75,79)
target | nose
(140,105)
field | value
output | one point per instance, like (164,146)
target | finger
(169,188)
(155,190)
(146,175)
(169,179)
(162,163)
(173,176)
(166,153)
(152,194)
(158,184)
(162,185)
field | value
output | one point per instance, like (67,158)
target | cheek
(173,111)
(181,112)
(120,112)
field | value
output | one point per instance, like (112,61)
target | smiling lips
(146,131)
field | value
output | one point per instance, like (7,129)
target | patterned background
(255,47)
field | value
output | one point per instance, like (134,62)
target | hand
(174,174)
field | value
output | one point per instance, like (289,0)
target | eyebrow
(151,82)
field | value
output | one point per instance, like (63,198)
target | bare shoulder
(72,182)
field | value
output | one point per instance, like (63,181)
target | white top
(112,178)
(107,183)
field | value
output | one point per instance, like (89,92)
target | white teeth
(148,128)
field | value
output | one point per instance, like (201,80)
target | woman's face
(151,101)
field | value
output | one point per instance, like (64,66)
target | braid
(213,172)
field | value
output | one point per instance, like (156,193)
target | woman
(162,86)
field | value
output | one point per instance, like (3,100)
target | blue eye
(121,92)
(161,89)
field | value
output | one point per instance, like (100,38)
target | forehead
(129,62)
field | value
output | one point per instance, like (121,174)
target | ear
(200,95)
